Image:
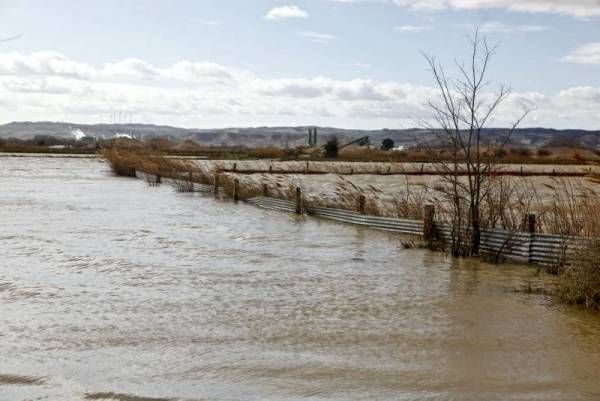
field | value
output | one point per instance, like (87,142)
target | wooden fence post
(271,169)
(236,190)
(306,169)
(234,166)
(428,216)
(158,179)
(361,204)
(216,184)
(531,223)
(265,190)
(299,200)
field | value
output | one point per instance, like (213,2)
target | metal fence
(518,246)
(403,226)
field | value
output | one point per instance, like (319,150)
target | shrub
(543,152)
(580,282)
(122,162)
(501,152)
(331,148)
(521,152)
(387,144)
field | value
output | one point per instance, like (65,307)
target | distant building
(88,139)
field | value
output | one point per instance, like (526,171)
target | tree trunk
(475,232)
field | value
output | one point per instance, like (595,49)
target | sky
(238,63)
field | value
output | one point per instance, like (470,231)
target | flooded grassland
(111,289)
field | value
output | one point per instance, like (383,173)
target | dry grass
(572,210)
(575,211)
(266,153)
(128,162)
(123,162)
(579,282)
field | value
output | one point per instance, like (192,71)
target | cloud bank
(577,8)
(51,86)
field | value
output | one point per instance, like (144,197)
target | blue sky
(352,64)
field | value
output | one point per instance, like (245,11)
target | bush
(543,152)
(387,144)
(331,148)
(580,282)
(521,152)
(501,152)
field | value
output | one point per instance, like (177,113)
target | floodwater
(113,290)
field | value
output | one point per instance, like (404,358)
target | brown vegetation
(266,153)
(579,282)
(128,162)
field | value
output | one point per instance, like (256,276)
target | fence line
(525,247)
(522,247)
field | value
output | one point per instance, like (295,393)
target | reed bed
(154,166)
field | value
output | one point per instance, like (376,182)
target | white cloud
(198,72)
(45,85)
(130,68)
(577,8)
(283,12)
(413,28)
(499,27)
(585,54)
(200,93)
(293,88)
(318,37)
(43,63)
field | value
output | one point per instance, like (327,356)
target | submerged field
(122,291)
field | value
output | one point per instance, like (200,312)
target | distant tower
(312,137)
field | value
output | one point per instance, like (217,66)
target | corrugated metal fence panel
(512,245)
(347,216)
(551,249)
(531,248)
(272,203)
(519,246)
(203,188)
(384,223)
(197,187)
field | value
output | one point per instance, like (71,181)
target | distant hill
(285,136)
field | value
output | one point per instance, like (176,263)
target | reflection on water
(110,289)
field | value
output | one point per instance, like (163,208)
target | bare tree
(461,113)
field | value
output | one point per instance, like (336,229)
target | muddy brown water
(112,290)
